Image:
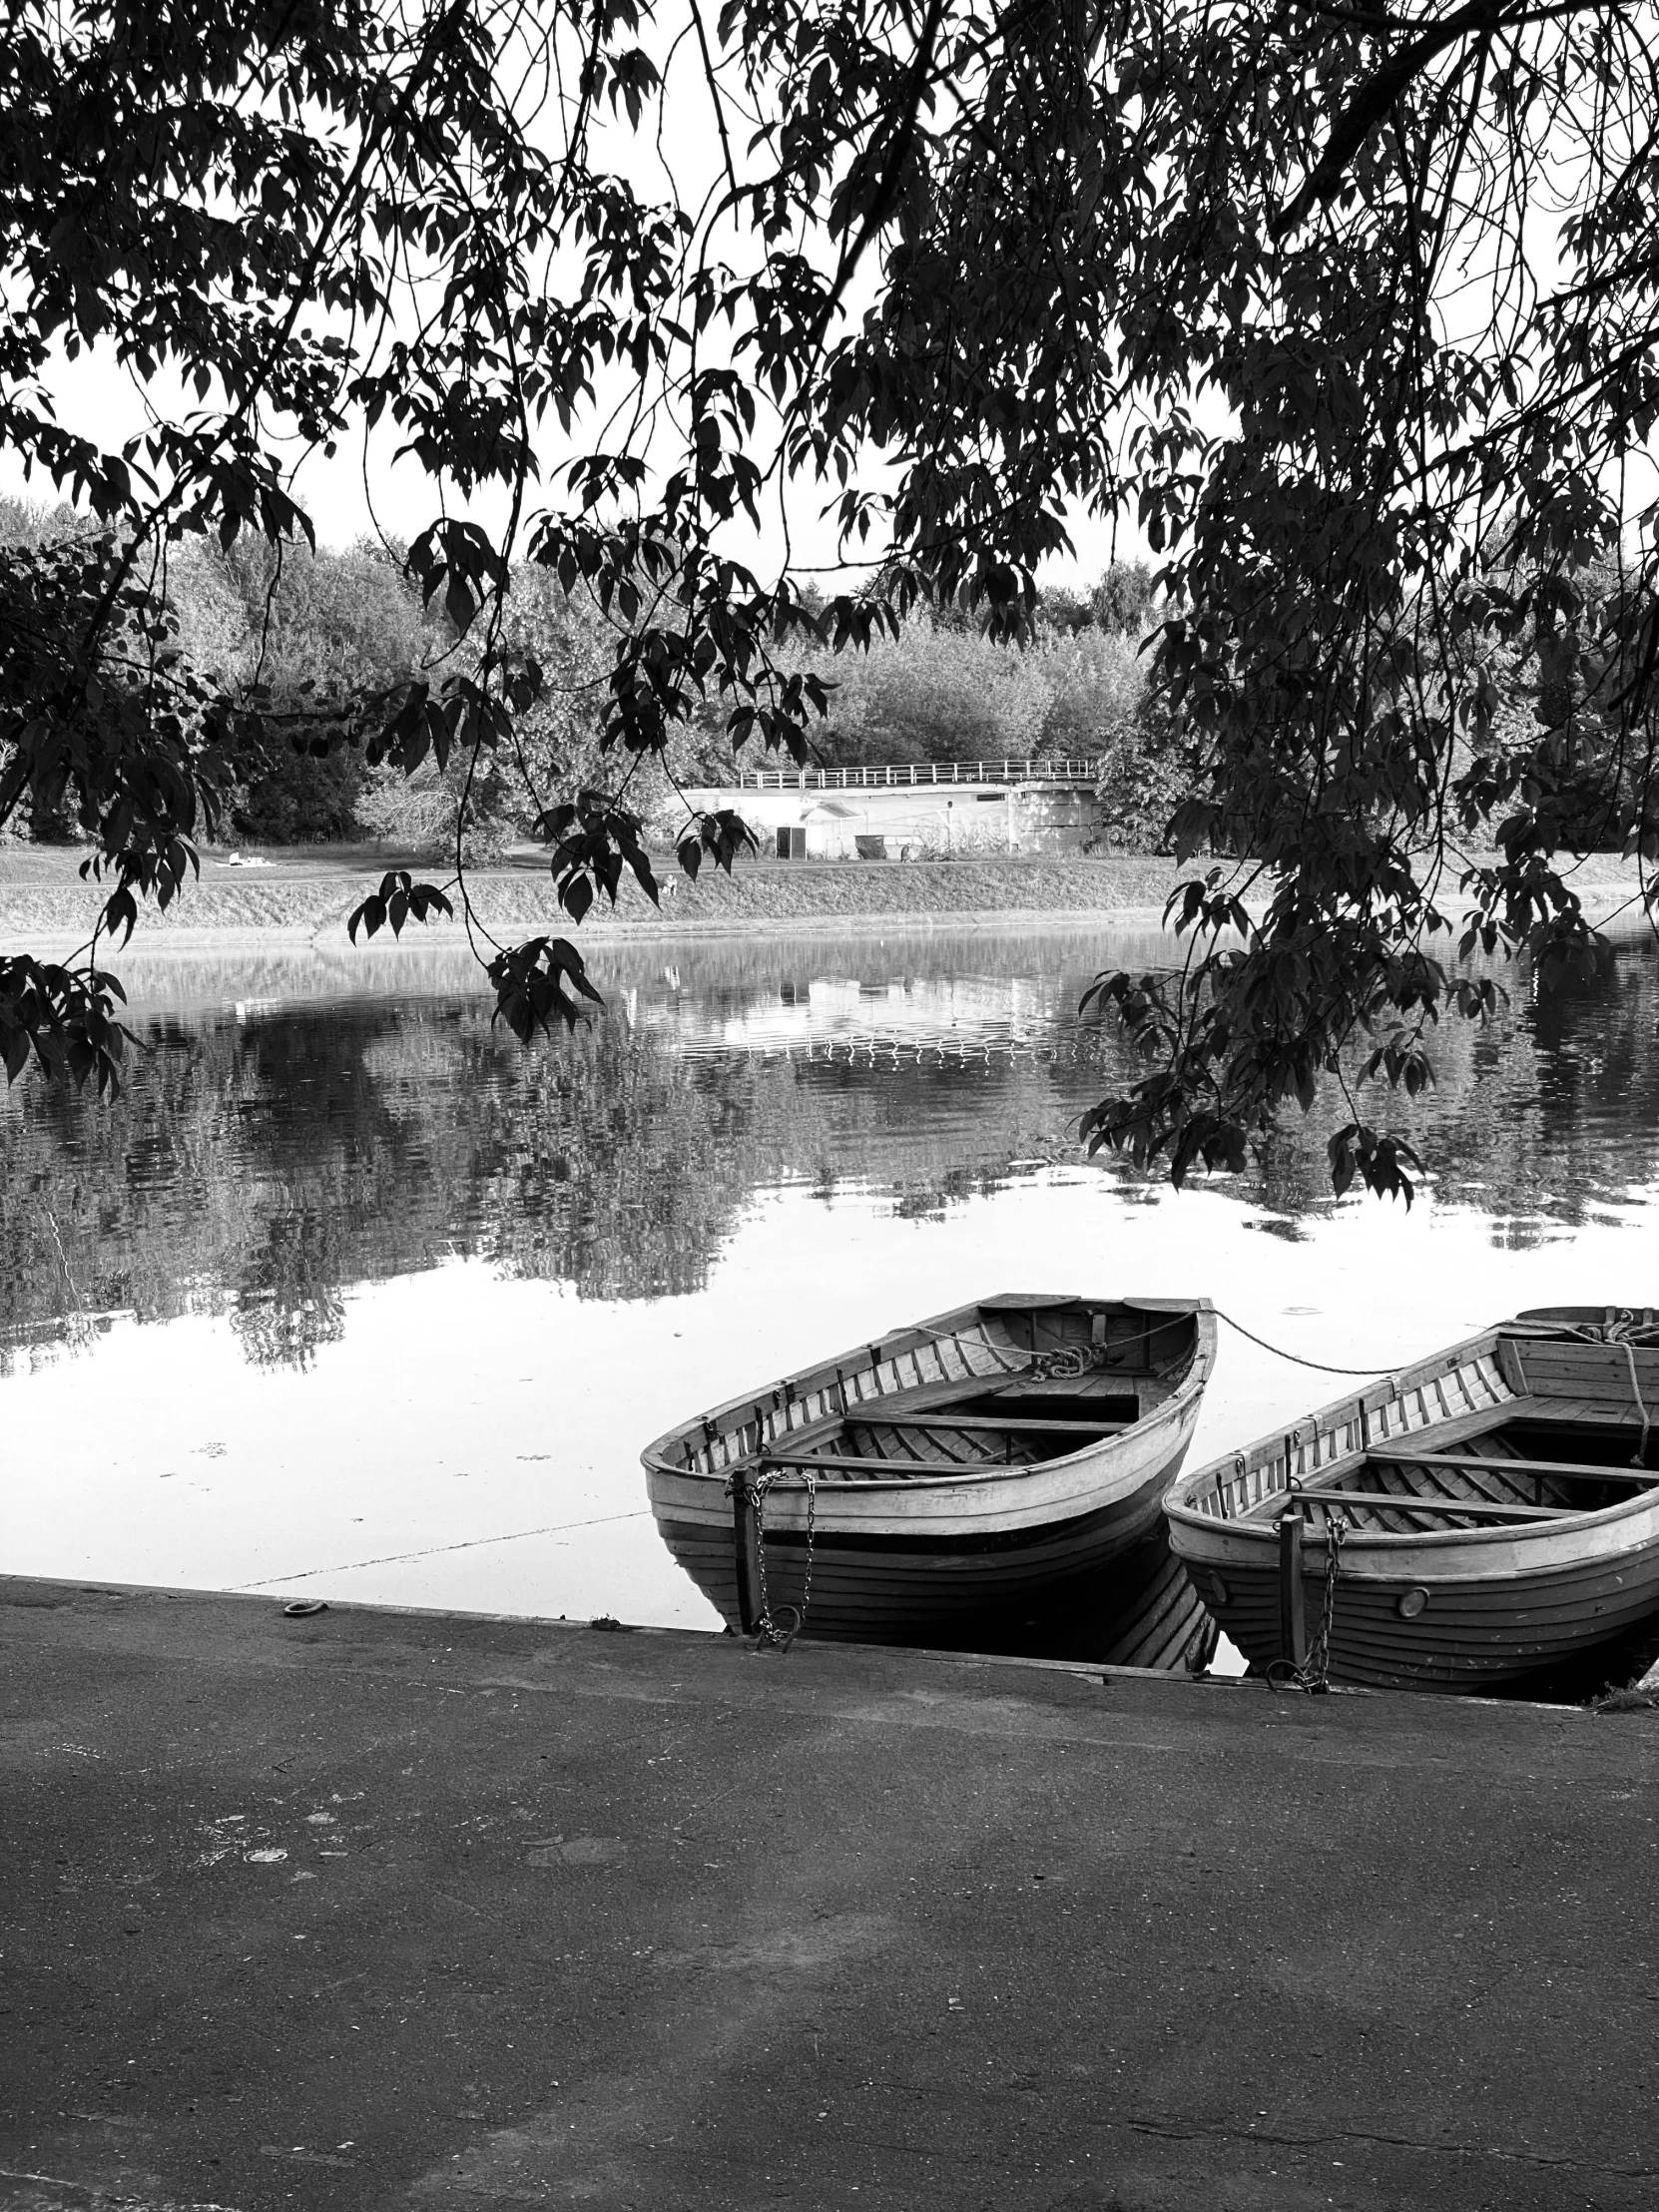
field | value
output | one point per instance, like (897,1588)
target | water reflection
(299,1126)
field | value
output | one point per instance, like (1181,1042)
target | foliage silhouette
(1268,281)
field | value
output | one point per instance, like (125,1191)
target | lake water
(350,1297)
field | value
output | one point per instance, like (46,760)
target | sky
(365,491)
(350,498)
(359,493)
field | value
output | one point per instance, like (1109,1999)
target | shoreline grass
(304,893)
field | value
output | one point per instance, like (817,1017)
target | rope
(1064,1362)
(439,1551)
(1010,1362)
(1621,1327)
(1321,1367)
(1640,1461)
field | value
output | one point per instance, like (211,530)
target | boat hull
(933,1586)
(963,1552)
(1475,1633)
(1491,1607)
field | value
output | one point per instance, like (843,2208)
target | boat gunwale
(1360,1542)
(913,1338)
(1533,1533)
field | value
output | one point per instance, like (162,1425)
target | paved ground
(418,1910)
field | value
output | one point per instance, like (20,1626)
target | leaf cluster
(399,900)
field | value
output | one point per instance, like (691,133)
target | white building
(799,819)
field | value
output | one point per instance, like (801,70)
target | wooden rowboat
(946,1484)
(1492,1511)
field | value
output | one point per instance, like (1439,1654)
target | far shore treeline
(314,625)
(307,629)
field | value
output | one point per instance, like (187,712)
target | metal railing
(908,775)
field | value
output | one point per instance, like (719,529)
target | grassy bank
(307,892)
(304,893)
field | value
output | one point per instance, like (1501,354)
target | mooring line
(469,1544)
(1322,1366)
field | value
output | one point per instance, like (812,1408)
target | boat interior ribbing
(1575,1439)
(1043,1377)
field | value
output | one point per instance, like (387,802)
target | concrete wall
(925,822)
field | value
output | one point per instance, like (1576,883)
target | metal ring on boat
(1215,1588)
(1412,1602)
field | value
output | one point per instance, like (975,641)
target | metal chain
(764,1625)
(1313,1674)
(768,1630)
(812,1517)
(1317,1672)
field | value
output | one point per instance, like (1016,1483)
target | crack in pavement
(1175,2132)
(112,2199)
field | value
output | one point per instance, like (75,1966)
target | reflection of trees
(260,1166)
(288,1298)
(1549,1113)
(616,1167)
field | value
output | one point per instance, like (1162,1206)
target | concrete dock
(391,1909)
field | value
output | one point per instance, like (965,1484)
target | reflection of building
(803,815)
(962,1013)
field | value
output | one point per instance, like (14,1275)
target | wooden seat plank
(839,1462)
(1376,1520)
(999,1425)
(1439,1507)
(1577,1412)
(1604,1381)
(1569,1470)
